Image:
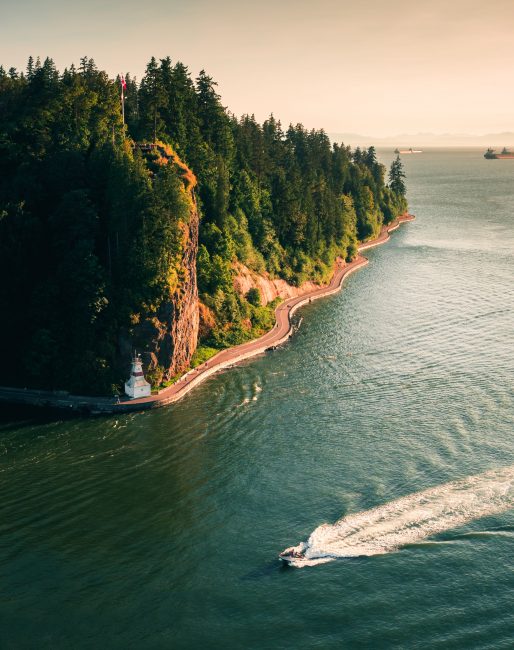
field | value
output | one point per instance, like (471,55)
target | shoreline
(279,334)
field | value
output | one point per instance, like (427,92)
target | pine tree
(396,177)
(153,100)
(80,207)
(30,68)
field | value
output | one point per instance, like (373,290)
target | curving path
(280,332)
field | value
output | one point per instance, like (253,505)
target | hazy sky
(368,66)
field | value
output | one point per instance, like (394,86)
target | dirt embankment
(246,279)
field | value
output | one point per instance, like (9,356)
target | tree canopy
(90,232)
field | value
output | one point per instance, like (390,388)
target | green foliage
(202,354)
(91,231)
(253,296)
(396,177)
(155,376)
(351,252)
(263,318)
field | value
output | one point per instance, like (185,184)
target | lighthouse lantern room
(137,386)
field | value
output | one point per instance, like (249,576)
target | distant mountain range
(405,140)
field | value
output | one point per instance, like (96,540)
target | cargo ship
(411,150)
(490,154)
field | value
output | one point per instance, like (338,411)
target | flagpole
(123,104)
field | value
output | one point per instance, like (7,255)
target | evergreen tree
(153,101)
(396,177)
(92,228)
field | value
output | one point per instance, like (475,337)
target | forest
(92,225)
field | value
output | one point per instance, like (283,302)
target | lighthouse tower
(137,386)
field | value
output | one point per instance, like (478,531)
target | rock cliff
(169,339)
(269,289)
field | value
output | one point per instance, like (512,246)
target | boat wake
(411,519)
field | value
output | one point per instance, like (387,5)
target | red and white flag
(123,83)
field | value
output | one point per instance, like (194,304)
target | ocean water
(382,435)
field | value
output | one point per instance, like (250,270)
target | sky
(379,67)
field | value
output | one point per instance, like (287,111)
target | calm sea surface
(161,530)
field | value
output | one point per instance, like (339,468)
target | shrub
(254,297)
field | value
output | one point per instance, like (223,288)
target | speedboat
(293,553)
(302,556)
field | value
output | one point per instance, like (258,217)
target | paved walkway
(280,332)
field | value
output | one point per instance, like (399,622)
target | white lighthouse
(137,386)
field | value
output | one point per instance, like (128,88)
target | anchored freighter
(411,150)
(490,154)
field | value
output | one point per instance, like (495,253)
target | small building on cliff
(137,386)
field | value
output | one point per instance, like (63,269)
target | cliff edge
(168,339)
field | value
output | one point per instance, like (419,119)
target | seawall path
(280,332)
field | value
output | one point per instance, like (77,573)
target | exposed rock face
(179,317)
(168,340)
(207,320)
(245,279)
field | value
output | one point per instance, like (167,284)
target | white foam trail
(412,518)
